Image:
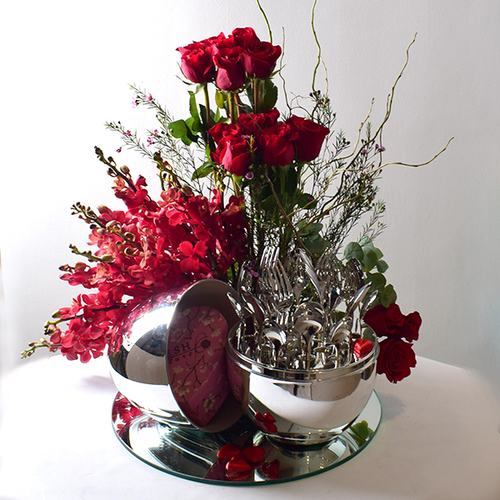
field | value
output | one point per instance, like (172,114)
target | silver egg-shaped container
(301,407)
(140,368)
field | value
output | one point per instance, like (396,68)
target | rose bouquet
(238,177)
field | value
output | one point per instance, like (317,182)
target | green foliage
(371,261)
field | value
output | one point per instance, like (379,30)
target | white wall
(66,69)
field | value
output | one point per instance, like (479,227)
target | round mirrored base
(192,454)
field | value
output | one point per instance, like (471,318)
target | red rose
(260,59)
(252,124)
(210,43)
(230,73)
(310,137)
(277,145)
(196,62)
(385,321)
(395,359)
(245,37)
(411,326)
(233,154)
(219,130)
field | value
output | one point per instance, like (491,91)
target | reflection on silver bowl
(299,407)
(146,365)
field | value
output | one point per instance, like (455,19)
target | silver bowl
(299,407)
(142,368)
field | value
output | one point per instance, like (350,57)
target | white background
(66,69)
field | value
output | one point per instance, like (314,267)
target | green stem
(231,103)
(255,85)
(210,141)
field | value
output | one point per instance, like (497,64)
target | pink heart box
(196,362)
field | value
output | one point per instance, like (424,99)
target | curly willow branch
(266,21)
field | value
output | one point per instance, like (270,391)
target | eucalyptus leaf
(353,251)
(369,259)
(382,266)
(377,280)
(387,296)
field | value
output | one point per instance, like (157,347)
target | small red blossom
(147,249)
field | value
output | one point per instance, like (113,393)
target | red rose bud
(196,63)
(228,451)
(362,347)
(260,59)
(310,137)
(238,464)
(230,73)
(395,359)
(245,37)
(253,454)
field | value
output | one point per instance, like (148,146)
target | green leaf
(364,240)
(353,251)
(377,280)
(204,171)
(193,108)
(194,125)
(369,259)
(220,99)
(269,93)
(181,130)
(306,229)
(387,296)
(305,200)
(382,266)
(315,244)
(269,203)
